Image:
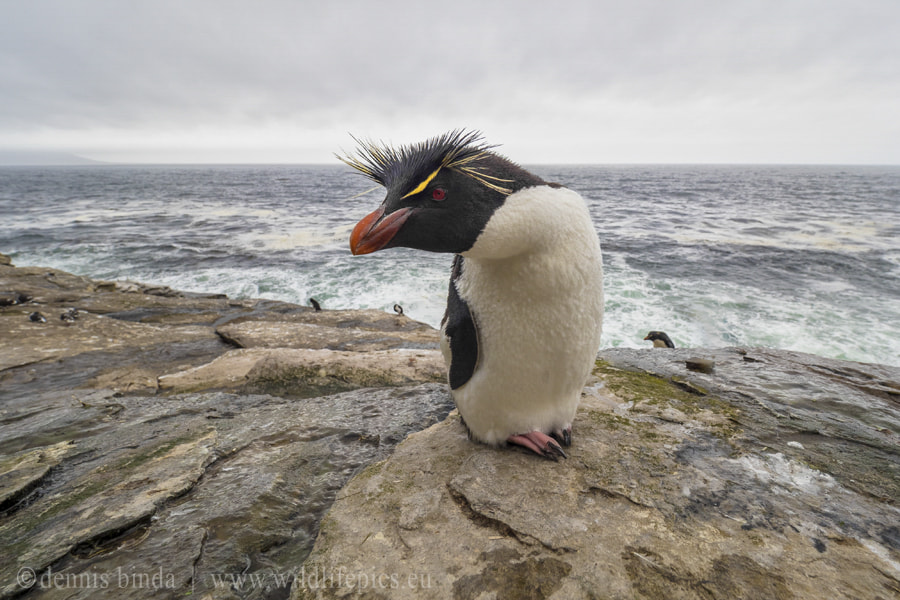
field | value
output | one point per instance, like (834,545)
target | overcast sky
(759,81)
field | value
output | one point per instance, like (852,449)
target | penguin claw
(539,443)
(563,436)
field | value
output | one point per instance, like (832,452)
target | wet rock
(129,337)
(845,415)
(175,444)
(122,475)
(196,485)
(679,484)
(89,509)
(58,339)
(22,472)
(305,372)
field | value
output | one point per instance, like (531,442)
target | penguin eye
(438,193)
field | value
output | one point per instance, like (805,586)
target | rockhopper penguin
(659,339)
(525,303)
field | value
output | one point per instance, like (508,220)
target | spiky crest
(412,167)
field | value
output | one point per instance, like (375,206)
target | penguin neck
(531,222)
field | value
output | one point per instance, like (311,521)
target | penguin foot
(563,436)
(538,442)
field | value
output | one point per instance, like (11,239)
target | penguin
(315,304)
(37,317)
(398,309)
(660,339)
(69,315)
(524,311)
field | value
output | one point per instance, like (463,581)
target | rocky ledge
(153,440)
(186,445)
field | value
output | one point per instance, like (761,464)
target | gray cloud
(702,80)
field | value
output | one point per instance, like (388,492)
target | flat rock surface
(355,330)
(775,477)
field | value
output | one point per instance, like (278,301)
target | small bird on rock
(315,304)
(37,317)
(660,339)
(398,309)
(70,315)
(525,305)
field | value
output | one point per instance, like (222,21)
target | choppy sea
(799,257)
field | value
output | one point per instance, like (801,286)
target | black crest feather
(406,166)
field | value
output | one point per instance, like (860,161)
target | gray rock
(303,372)
(350,330)
(122,475)
(129,337)
(176,444)
(192,487)
(772,478)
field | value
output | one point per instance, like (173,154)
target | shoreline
(187,436)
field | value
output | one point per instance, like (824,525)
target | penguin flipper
(460,329)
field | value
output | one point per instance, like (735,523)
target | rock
(304,372)
(22,472)
(5,261)
(121,472)
(702,365)
(176,444)
(129,337)
(688,488)
(93,333)
(845,414)
(350,330)
(193,484)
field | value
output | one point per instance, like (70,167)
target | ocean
(804,258)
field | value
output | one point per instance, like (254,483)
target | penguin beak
(375,230)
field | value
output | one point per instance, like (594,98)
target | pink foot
(539,443)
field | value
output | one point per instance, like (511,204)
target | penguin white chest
(533,282)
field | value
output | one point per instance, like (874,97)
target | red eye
(439,193)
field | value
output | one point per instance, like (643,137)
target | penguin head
(441,193)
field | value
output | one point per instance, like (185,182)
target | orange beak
(375,231)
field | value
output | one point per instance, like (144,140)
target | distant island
(22,158)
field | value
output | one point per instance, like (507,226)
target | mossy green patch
(610,420)
(639,387)
(679,393)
